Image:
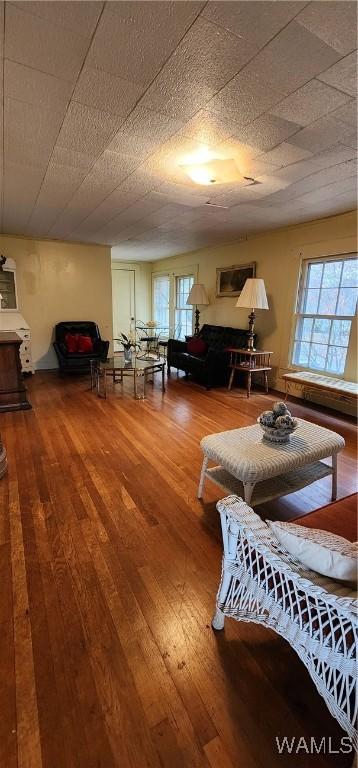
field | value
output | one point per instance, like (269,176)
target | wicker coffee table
(258,471)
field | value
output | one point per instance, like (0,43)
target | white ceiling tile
(339,153)
(72,158)
(37,43)
(58,187)
(351,141)
(246,97)
(80,17)
(266,131)
(178,193)
(256,21)
(208,127)
(310,102)
(143,131)
(343,75)
(133,40)
(347,114)
(30,132)
(205,60)
(110,93)
(34,87)
(165,213)
(282,63)
(21,186)
(86,129)
(321,134)
(109,167)
(333,22)
(285,154)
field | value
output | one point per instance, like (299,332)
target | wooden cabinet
(13,396)
(11,319)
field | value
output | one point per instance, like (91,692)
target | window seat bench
(316,382)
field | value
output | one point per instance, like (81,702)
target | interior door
(123,295)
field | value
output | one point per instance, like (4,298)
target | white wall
(60,281)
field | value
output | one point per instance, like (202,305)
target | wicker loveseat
(261,582)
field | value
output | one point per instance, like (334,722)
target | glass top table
(117,368)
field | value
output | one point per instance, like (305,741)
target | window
(183,312)
(161,294)
(326,306)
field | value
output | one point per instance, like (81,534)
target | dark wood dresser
(13,395)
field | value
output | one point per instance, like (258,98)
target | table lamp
(197,296)
(253,296)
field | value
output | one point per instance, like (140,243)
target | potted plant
(128,346)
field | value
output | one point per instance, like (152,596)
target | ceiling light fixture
(214,171)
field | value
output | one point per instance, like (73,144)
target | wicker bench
(338,389)
(261,582)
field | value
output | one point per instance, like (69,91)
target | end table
(249,362)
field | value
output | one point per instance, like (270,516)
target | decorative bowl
(275,434)
(278,424)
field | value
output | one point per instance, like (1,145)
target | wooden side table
(249,362)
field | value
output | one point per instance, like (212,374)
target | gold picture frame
(231,280)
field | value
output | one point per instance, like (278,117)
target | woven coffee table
(259,471)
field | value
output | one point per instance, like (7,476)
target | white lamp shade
(253,294)
(198,294)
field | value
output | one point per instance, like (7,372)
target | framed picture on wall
(231,280)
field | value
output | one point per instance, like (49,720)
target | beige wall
(278,256)
(60,281)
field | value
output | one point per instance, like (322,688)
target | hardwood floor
(109,571)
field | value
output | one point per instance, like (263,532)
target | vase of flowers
(129,347)
(278,424)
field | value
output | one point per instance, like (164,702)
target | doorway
(123,298)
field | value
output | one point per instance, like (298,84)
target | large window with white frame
(183,312)
(326,305)
(161,301)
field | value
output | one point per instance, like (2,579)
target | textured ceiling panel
(203,62)
(286,153)
(106,92)
(343,75)
(266,132)
(86,129)
(321,133)
(29,147)
(310,102)
(347,114)
(37,43)
(104,102)
(292,58)
(333,22)
(35,87)
(246,97)
(77,17)
(255,22)
(134,40)
(143,131)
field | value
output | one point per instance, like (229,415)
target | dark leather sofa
(212,368)
(78,362)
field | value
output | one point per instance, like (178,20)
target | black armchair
(78,362)
(211,368)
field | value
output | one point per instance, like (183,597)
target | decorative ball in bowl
(278,424)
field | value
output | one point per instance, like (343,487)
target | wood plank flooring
(109,568)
